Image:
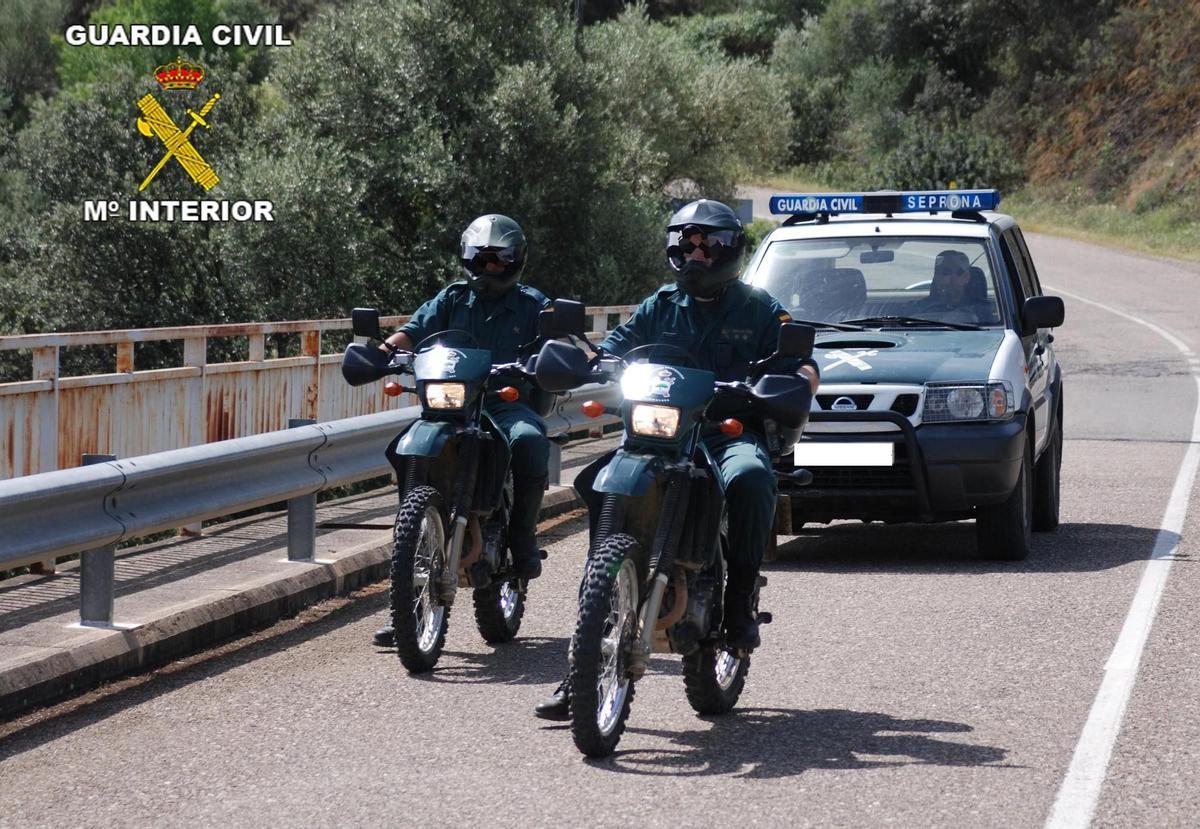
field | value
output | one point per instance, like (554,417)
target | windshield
(882,280)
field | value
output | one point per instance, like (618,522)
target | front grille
(861,401)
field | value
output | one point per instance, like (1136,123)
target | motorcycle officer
(725,325)
(502,314)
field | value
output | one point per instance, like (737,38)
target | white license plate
(845,454)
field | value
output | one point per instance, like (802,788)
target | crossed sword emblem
(157,122)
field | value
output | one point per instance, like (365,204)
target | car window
(1027,260)
(832,280)
(1022,284)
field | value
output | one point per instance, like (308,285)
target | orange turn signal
(732,428)
(592,409)
(392,389)
(508,394)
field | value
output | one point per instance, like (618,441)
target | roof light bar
(921,201)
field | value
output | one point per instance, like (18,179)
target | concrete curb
(99,655)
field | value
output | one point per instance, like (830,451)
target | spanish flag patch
(784,316)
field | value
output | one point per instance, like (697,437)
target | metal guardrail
(92,508)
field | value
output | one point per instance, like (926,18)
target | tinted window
(1022,284)
(1028,262)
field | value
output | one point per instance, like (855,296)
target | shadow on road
(768,743)
(951,548)
(532,661)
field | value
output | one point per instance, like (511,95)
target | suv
(940,397)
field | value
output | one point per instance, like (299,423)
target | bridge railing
(50,421)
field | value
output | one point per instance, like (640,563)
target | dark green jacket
(502,326)
(724,336)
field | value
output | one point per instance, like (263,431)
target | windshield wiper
(903,321)
(837,326)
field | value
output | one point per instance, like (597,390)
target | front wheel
(419,618)
(601,688)
(714,678)
(498,611)
(1005,531)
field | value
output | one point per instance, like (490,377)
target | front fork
(662,564)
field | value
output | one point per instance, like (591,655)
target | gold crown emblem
(179,75)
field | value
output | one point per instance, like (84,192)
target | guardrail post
(302,516)
(97,574)
(555,461)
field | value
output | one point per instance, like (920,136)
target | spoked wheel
(498,610)
(419,618)
(601,689)
(714,678)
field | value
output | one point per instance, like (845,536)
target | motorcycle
(452,468)
(655,577)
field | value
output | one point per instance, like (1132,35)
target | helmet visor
(710,241)
(476,259)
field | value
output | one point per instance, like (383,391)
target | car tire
(1047,482)
(1005,530)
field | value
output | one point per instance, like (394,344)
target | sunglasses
(711,240)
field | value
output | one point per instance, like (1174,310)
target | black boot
(522,526)
(557,706)
(741,626)
(385,637)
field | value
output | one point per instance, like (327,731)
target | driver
(951,296)
(501,314)
(725,325)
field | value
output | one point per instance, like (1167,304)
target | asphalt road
(904,682)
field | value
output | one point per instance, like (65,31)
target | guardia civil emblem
(157,123)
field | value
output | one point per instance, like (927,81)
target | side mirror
(561,367)
(365,322)
(564,317)
(1042,312)
(796,340)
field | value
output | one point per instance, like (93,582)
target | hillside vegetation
(389,125)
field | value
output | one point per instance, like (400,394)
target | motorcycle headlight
(445,395)
(967,401)
(655,421)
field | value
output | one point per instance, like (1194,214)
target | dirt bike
(655,576)
(452,468)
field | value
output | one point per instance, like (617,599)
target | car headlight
(967,401)
(445,395)
(655,421)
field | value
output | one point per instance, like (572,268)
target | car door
(1035,344)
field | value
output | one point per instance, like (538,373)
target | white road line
(1076,801)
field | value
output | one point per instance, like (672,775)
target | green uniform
(503,327)
(724,336)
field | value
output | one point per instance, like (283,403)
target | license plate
(845,454)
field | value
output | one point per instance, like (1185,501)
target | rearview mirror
(796,340)
(563,318)
(365,322)
(875,257)
(561,367)
(1042,312)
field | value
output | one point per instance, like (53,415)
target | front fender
(425,439)
(627,474)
